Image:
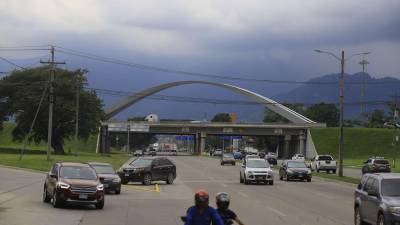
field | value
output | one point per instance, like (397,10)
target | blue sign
(184,138)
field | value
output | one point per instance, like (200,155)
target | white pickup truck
(323,162)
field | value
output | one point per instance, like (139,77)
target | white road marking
(243,194)
(276,211)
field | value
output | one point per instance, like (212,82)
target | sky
(251,39)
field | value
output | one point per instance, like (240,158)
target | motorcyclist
(201,213)
(227,215)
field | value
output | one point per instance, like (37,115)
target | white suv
(256,170)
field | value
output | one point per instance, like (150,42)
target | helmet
(201,199)
(222,199)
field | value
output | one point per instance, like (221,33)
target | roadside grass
(337,178)
(39,161)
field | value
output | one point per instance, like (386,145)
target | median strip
(141,188)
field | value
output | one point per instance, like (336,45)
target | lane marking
(223,185)
(243,194)
(276,211)
(140,188)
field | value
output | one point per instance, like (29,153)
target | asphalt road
(284,203)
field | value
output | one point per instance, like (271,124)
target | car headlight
(63,185)
(100,187)
(117,180)
(394,210)
(289,171)
(250,172)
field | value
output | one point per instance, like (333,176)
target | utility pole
(127,142)
(363,63)
(78,87)
(52,70)
(341,100)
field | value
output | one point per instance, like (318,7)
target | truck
(323,162)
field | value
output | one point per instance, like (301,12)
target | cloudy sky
(253,38)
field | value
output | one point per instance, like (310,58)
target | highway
(289,203)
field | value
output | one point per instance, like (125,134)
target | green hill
(359,143)
(7,145)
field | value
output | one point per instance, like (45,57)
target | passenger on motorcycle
(227,215)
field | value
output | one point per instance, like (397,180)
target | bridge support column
(197,144)
(104,142)
(302,149)
(286,147)
(203,136)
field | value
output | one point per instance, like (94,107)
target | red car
(73,183)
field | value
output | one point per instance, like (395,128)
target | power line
(9,62)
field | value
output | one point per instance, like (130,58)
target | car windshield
(257,164)
(227,155)
(75,172)
(296,165)
(140,162)
(380,161)
(390,187)
(324,158)
(104,169)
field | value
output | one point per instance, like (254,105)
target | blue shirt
(193,217)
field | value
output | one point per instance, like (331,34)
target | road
(289,203)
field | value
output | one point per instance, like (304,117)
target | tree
(324,113)
(377,118)
(272,117)
(22,95)
(222,117)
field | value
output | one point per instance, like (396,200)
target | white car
(323,162)
(299,157)
(256,170)
(217,152)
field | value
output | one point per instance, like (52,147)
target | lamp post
(341,100)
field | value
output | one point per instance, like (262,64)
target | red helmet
(201,199)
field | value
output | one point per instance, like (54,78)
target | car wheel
(357,217)
(241,179)
(233,164)
(147,179)
(46,197)
(100,205)
(56,202)
(381,220)
(118,191)
(280,177)
(245,181)
(170,178)
(334,171)
(287,177)
(309,180)
(271,182)
(222,163)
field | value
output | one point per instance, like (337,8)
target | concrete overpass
(295,135)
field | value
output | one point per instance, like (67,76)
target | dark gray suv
(377,199)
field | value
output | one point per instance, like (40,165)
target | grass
(7,145)
(39,161)
(335,177)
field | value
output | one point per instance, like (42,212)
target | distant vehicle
(252,157)
(108,177)
(323,162)
(152,152)
(138,152)
(272,158)
(174,152)
(238,155)
(261,155)
(152,118)
(64,184)
(376,165)
(148,169)
(227,158)
(298,157)
(294,169)
(376,199)
(256,170)
(217,152)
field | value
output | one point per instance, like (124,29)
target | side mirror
(53,175)
(243,166)
(372,193)
(101,179)
(365,162)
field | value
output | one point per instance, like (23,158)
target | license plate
(127,174)
(83,196)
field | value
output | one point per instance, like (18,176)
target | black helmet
(222,199)
(201,199)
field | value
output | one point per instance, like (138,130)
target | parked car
(227,158)
(376,165)
(217,152)
(272,158)
(148,169)
(298,157)
(138,152)
(376,199)
(294,169)
(238,155)
(256,170)
(108,177)
(323,162)
(73,183)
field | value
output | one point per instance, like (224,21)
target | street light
(341,98)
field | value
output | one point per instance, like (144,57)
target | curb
(23,169)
